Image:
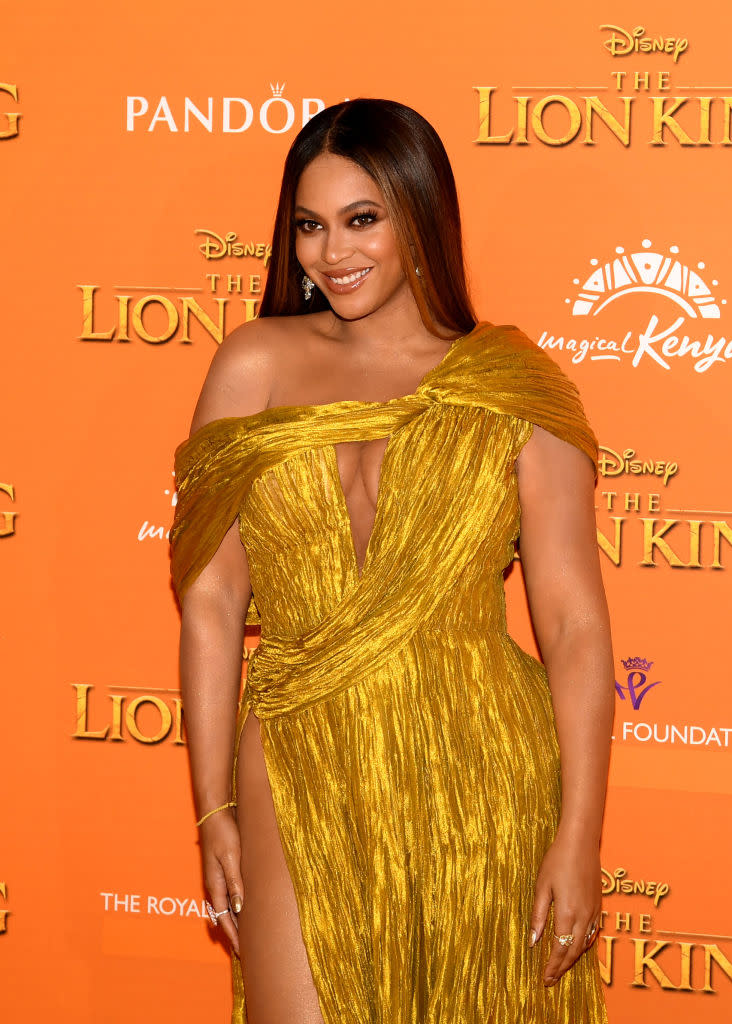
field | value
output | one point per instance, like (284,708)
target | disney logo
(617,882)
(612,463)
(217,247)
(624,42)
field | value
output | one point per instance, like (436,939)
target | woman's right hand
(221,856)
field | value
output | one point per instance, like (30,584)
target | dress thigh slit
(278,982)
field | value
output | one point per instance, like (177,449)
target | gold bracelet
(231,803)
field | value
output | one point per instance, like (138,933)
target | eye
(362,220)
(305,225)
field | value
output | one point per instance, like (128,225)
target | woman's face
(344,240)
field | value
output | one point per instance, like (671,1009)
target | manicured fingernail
(236,903)
(550,981)
(533,937)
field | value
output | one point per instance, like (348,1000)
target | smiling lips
(347,281)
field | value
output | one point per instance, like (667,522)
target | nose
(336,246)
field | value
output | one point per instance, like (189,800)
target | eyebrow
(346,209)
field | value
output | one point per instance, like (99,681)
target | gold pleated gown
(410,743)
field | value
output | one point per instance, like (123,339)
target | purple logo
(637,685)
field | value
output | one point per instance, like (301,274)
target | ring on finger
(565,940)
(591,933)
(214,915)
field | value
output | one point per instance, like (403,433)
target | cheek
(306,248)
(381,248)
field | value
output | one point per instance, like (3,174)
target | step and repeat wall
(141,147)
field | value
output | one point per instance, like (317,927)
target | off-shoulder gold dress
(410,744)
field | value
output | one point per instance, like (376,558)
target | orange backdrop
(141,148)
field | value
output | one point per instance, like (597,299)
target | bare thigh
(278,984)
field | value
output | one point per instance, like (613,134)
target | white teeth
(351,277)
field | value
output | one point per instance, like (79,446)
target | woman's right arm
(214,608)
(211,647)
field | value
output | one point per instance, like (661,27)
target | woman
(407,827)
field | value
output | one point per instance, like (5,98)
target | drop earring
(307,287)
(417,271)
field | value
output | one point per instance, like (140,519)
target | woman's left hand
(570,877)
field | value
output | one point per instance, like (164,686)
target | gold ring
(566,940)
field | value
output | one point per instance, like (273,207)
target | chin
(351,314)
(353,308)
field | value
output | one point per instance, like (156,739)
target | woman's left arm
(561,566)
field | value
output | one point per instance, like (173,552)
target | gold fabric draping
(410,743)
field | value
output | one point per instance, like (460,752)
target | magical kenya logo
(664,340)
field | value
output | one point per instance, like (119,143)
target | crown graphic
(628,272)
(637,663)
(277,89)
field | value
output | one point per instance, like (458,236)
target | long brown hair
(405,156)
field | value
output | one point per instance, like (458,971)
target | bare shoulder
(549,465)
(244,366)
